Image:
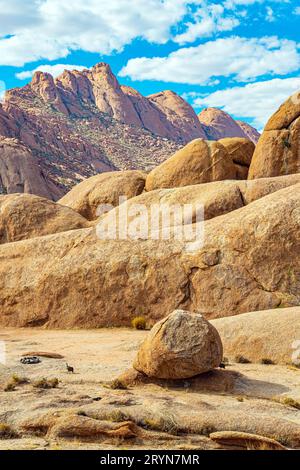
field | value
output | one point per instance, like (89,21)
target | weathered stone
(25,216)
(200,161)
(180,346)
(105,188)
(278,150)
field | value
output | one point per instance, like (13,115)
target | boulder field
(248,261)
(216,198)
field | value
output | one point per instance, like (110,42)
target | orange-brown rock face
(200,161)
(106,188)
(241,151)
(24,216)
(249,261)
(278,150)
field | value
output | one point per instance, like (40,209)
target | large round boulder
(24,216)
(278,149)
(180,346)
(105,188)
(200,161)
(241,151)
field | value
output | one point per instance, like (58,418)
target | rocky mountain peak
(218,125)
(85,122)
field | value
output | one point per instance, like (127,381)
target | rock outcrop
(19,171)
(243,440)
(269,334)
(200,161)
(106,188)
(180,346)
(180,114)
(218,125)
(278,150)
(24,216)
(216,198)
(75,279)
(241,151)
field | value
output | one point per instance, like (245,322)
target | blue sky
(240,55)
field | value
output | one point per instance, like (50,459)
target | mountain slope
(218,124)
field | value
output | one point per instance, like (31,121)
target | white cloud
(55,70)
(255,101)
(34,30)
(209,19)
(242,59)
(270,15)
(2,89)
(51,29)
(297,11)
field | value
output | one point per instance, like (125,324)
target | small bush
(6,431)
(267,362)
(242,360)
(118,385)
(139,323)
(46,383)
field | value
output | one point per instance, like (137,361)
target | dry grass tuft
(46,383)
(139,323)
(242,360)
(117,384)
(6,431)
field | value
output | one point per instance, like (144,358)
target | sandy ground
(244,397)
